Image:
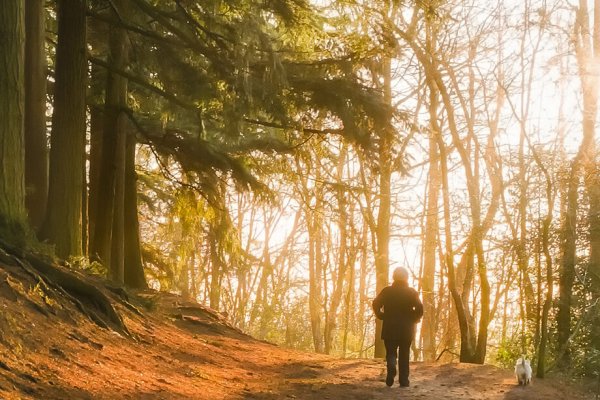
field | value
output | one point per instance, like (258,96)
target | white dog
(523,371)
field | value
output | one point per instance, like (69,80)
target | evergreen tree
(62,226)
(12,87)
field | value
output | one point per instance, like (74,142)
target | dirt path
(364,379)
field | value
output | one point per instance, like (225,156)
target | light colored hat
(400,274)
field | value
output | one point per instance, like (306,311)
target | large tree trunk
(12,158)
(36,153)
(111,180)
(62,225)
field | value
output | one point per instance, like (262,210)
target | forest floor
(182,350)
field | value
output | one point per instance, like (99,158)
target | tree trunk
(98,79)
(567,269)
(466,334)
(338,289)
(430,243)
(117,251)
(587,46)
(315,266)
(362,288)
(466,349)
(527,295)
(262,297)
(62,225)
(350,303)
(551,191)
(215,237)
(266,269)
(36,153)
(113,148)
(134,268)
(383,217)
(12,140)
(541,362)
(215,273)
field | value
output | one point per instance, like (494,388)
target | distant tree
(431,234)
(133,273)
(341,267)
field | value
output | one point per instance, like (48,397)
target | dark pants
(400,350)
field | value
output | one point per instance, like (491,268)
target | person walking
(400,308)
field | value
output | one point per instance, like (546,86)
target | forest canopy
(276,159)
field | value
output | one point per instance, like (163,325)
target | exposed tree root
(123,298)
(88,298)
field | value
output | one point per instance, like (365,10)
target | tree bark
(466,349)
(62,225)
(430,241)
(12,81)
(134,269)
(567,268)
(342,267)
(541,363)
(315,262)
(36,153)
(216,236)
(215,273)
(384,210)
(111,179)
(98,79)
(117,250)
(362,287)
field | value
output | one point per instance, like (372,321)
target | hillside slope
(51,347)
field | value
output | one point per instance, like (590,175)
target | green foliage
(216,81)
(508,352)
(584,347)
(287,327)
(84,264)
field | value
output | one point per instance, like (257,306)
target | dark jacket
(402,309)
